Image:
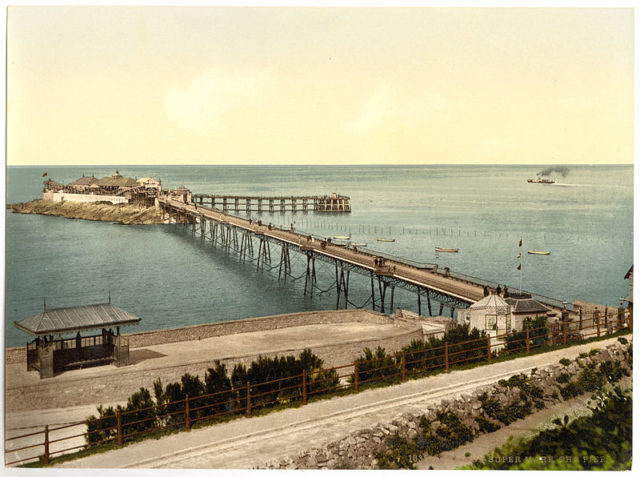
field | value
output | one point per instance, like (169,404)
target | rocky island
(127,214)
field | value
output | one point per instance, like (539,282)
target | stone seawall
(209,330)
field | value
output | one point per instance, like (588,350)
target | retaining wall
(209,330)
(60,196)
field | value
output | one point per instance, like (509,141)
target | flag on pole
(44,175)
(519,267)
(519,255)
(520,244)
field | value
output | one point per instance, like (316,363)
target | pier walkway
(440,284)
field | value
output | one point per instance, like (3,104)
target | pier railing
(246,398)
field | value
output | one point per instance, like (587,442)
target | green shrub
(486,425)
(375,366)
(601,441)
(565,362)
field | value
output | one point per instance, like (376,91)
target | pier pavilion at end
(49,353)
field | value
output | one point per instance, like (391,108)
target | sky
(277,85)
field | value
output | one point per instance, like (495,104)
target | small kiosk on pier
(50,353)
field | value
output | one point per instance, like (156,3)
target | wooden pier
(385,274)
(272,204)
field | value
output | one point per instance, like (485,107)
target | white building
(492,314)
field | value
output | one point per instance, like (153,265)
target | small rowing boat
(341,237)
(448,250)
(358,244)
(385,239)
(537,252)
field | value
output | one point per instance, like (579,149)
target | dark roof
(526,305)
(629,273)
(64,320)
(84,181)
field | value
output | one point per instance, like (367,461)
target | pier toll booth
(50,353)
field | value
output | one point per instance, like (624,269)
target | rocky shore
(122,213)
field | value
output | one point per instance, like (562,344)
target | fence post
(606,320)
(248,399)
(404,367)
(304,386)
(620,318)
(355,376)
(596,316)
(527,338)
(446,356)
(187,417)
(119,418)
(580,327)
(631,319)
(46,445)
(489,348)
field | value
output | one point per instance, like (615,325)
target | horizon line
(325,165)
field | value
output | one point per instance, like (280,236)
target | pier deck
(388,272)
(249,203)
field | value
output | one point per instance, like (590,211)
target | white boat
(385,239)
(341,237)
(538,252)
(448,250)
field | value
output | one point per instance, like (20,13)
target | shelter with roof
(526,307)
(50,353)
(491,314)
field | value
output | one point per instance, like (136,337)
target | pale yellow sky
(245,85)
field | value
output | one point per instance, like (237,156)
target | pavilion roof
(117,182)
(66,320)
(84,181)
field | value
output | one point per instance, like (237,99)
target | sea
(170,277)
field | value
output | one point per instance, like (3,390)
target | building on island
(115,189)
(181,193)
(82,185)
(50,353)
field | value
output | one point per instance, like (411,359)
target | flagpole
(520,265)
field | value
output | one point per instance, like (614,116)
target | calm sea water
(169,278)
